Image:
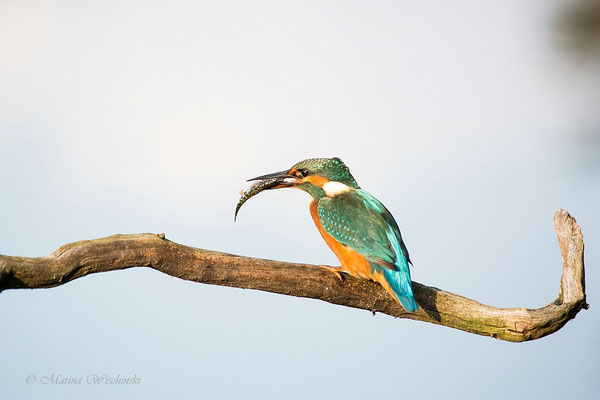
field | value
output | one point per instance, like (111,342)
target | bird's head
(317,176)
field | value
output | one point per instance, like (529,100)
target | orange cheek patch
(316,180)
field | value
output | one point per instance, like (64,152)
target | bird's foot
(336,270)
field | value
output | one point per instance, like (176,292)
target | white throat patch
(333,188)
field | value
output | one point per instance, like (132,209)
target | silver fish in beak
(256,188)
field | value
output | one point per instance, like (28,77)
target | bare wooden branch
(436,306)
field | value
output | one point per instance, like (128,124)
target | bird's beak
(284,178)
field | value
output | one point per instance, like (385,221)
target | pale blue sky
(466,120)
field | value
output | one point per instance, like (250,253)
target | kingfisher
(360,231)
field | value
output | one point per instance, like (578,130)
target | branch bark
(79,259)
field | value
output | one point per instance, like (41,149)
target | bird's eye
(303,172)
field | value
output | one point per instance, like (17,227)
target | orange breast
(351,261)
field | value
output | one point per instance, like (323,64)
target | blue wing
(358,220)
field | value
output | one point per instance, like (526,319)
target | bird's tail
(398,284)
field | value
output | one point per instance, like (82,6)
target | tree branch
(436,306)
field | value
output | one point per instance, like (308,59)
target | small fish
(255,189)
